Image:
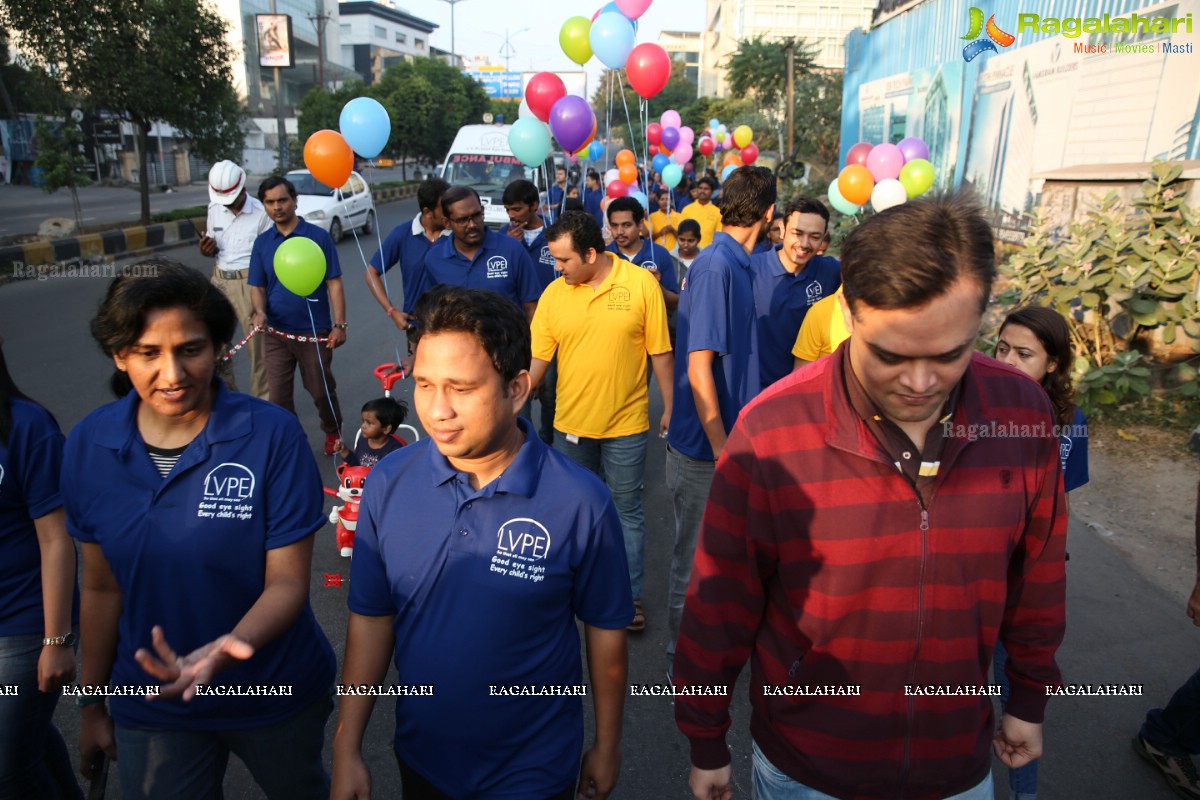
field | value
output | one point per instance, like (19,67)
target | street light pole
(453,51)
(507,50)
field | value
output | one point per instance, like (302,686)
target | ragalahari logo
(995,36)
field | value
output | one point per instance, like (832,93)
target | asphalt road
(1122,628)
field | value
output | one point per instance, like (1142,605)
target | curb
(22,261)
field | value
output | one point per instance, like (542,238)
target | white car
(321,206)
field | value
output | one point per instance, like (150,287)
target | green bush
(179,213)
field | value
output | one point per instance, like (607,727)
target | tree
(411,102)
(321,109)
(146,61)
(819,122)
(24,90)
(62,161)
(759,68)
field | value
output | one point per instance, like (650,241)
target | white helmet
(225,182)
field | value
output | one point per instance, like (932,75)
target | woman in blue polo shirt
(38,606)
(196,508)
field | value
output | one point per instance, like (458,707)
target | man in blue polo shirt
(788,280)
(625,216)
(526,227)
(407,245)
(277,306)
(470,570)
(593,196)
(475,257)
(717,369)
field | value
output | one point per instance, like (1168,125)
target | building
(684,46)
(377,34)
(823,24)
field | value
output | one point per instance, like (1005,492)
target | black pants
(415,787)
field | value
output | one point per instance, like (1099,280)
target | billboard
(497,82)
(275,45)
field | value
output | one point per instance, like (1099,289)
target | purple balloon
(571,121)
(913,148)
(670,138)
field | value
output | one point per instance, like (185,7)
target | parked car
(321,205)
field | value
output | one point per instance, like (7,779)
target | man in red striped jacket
(876,521)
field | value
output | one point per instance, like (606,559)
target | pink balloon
(858,154)
(885,161)
(687,135)
(633,8)
(670,119)
(682,154)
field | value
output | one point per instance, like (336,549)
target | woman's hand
(183,673)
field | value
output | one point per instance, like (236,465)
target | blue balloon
(660,163)
(641,198)
(529,140)
(613,8)
(672,175)
(725,173)
(595,151)
(611,38)
(714,123)
(366,126)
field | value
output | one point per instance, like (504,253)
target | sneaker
(331,440)
(1180,772)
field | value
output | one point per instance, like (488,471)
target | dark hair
(429,193)
(273,181)
(8,393)
(710,183)
(456,194)
(572,204)
(498,323)
(389,411)
(805,204)
(912,253)
(152,284)
(521,191)
(629,204)
(748,195)
(688,225)
(583,229)
(1051,330)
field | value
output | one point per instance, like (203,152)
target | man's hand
(711,784)
(55,668)
(183,673)
(657,275)
(598,775)
(665,229)
(517,231)
(1193,606)
(95,737)
(351,780)
(258,319)
(1017,742)
(337,338)
(664,425)
(208,246)
(400,319)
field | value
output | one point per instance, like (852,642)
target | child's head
(387,412)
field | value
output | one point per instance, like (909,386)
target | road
(1122,628)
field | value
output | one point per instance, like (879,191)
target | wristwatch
(66,639)
(341,325)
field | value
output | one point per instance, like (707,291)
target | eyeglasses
(462,222)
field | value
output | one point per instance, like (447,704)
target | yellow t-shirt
(602,337)
(823,330)
(709,217)
(658,221)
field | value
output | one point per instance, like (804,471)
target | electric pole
(790,49)
(319,21)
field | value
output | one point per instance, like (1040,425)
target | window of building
(345,30)
(419,44)
(380,32)
(401,37)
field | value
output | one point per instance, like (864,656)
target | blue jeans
(621,462)
(689,481)
(34,762)
(768,783)
(284,759)
(1175,730)
(1022,781)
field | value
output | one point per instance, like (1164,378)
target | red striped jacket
(817,561)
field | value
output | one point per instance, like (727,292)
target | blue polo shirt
(189,551)
(1073,452)
(781,301)
(485,587)
(501,264)
(555,195)
(30,464)
(652,256)
(286,311)
(763,246)
(681,199)
(406,245)
(716,312)
(539,253)
(591,204)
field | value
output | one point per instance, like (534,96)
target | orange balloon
(732,158)
(329,158)
(626,157)
(628,174)
(855,183)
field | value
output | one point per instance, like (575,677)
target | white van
(480,158)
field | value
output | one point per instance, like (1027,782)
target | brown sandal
(639,618)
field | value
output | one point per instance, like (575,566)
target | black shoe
(1180,772)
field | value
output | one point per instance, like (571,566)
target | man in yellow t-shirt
(823,329)
(604,316)
(704,211)
(664,225)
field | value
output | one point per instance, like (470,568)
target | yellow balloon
(742,135)
(573,38)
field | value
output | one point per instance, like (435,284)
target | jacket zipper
(912,677)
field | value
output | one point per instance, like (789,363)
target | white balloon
(888,193)
(525,110)
(615,175)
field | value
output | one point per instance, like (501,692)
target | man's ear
(846,315)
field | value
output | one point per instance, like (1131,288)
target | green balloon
(916,177)
(300,265)
(573,38)
(841,204)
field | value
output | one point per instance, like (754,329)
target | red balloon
(654,133)
(653,149)
(648,69)
(858,154)
(707,146)
(544,90)
(749,153)
(617,189)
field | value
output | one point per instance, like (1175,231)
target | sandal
(639,618)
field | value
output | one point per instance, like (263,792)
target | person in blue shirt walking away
(406,246)
(593,194)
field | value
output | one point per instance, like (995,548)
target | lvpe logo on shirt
(619,299)
(546,258)
(521,545)
(995,36)
(228,490)
(497,267)
(813,293)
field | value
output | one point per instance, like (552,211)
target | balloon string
(394,334)
(321,363)
(628,121)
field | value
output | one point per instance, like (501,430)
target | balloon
(544,90)
(648,69)
(670,138)
(707,146)
(611,38)
(887,193)
(613,8)
(682,154)
(300,265)
(916,177)
(731,158)
(366,126)
(641,198)
(572,122)
(616,189)
(612,175)
(529,140)
(742,135)
(654,133)
(653,149)
(525,111)
(714,123)
(670,119)
(913,148)
(573,39)
(885,161)
(633,9)
(839,203)
(720,136)
(749,153)
(625,157)
(858,154)
(672,174)
(628,174)
(660,163)
(727,171)
(595,151)
(855,183)
(687,135)
(328,158)
(604,201)
(571,157)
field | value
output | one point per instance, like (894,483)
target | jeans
(284,759)
(1022,781)
(688,481)
(621,462)
(768,783)
(1175,730)
(34,762)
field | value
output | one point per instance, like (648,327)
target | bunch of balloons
(884,174)
(717,137)
(671,145)
(622,181)
(609,35)
(365,128)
